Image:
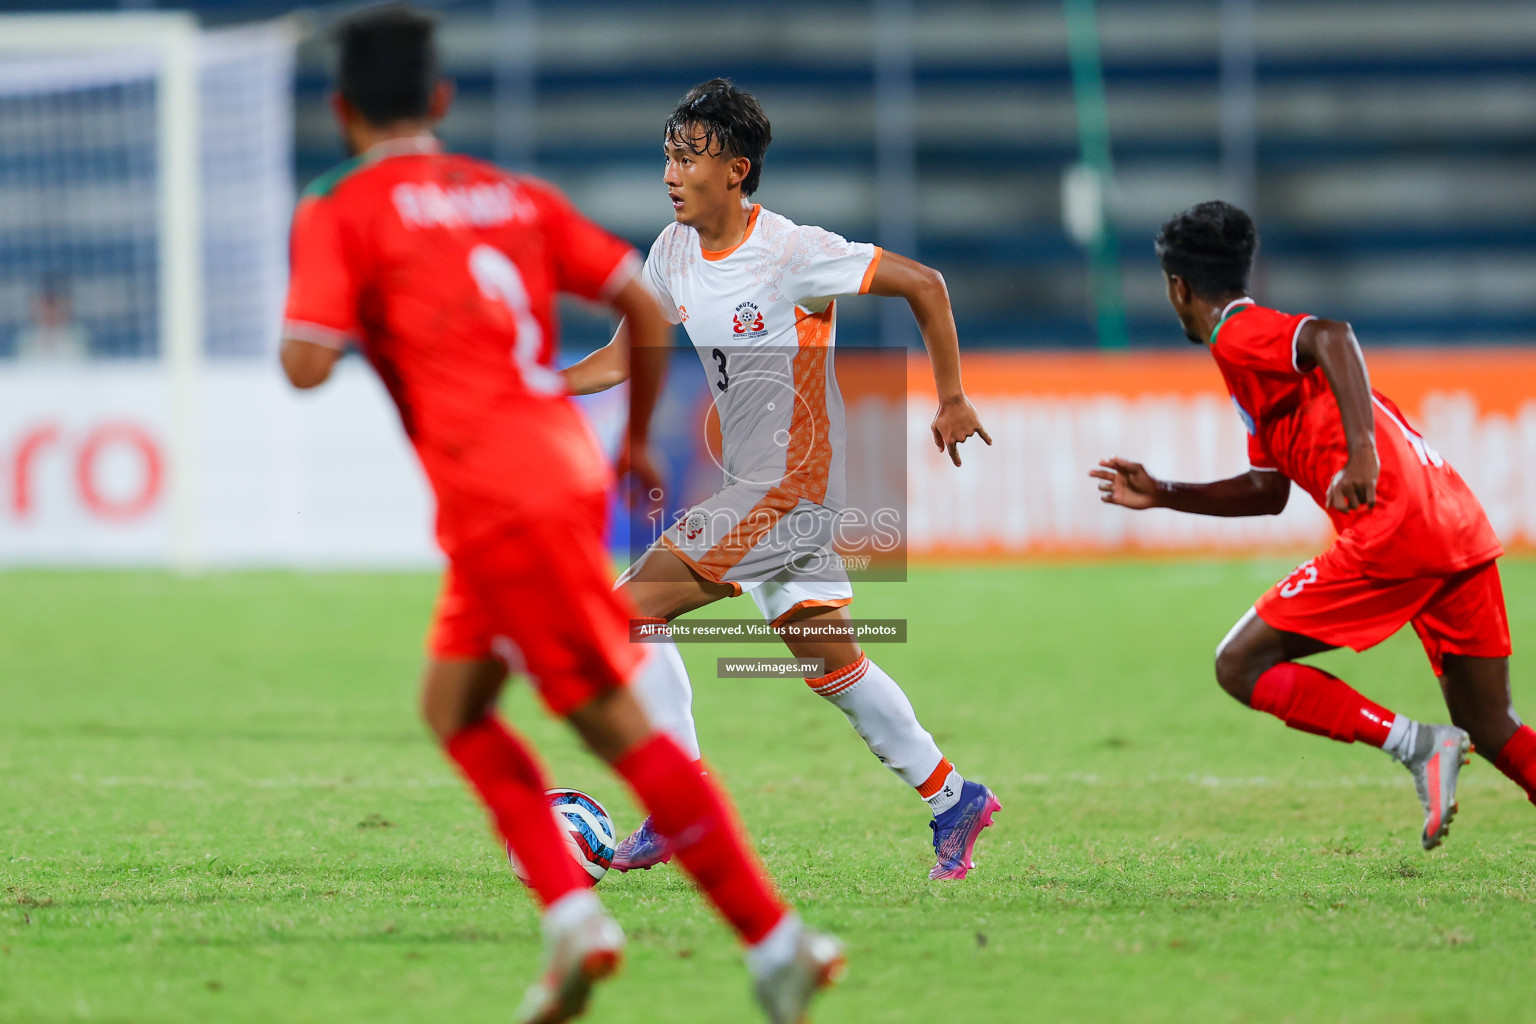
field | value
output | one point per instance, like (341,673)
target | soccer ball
(587,830)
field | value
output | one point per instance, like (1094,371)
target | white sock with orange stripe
(879,711)
(661,685)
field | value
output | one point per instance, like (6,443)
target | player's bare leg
(612,724)
(1257,665)
(789,962)
(582,943)
(457,694)
(662,587)
(1478,696)
(1252,648)
(881,714)
(458,701)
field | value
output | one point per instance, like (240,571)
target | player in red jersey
(443,271)
(1413,543)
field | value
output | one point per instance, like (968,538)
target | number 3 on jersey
(724,382)
(500,281)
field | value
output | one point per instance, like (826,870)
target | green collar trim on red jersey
(408,145)
(1229,312)
(327,182)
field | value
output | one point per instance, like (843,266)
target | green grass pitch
(216,804)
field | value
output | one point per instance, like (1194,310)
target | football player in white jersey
(756,294)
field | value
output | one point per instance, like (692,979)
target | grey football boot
(785,991)
(577,956)
(1438,754)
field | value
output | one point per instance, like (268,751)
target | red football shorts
(1329,599)
(538,595)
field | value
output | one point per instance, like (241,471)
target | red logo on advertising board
(117,442)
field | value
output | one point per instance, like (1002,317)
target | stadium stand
(1395,145)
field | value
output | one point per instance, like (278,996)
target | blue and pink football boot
(643,850)
(956,831)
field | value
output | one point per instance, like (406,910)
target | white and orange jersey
(763,319)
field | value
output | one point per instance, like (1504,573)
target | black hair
(731,120)
(1210,246)
(388,64)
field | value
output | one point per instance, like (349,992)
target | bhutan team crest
(748,321)
(693,525)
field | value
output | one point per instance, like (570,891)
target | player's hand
(1354,486)
(957,420)
(637,461)
(1122,482)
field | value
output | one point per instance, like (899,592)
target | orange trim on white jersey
(869,275)
(810,602)
(713,255)
(708,574)
(808,457)
(758,521)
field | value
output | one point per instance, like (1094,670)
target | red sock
(1518,760)
(511,785)
(1314,701)
(690,810)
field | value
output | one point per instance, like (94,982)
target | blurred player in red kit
(1413,543)
(443,271)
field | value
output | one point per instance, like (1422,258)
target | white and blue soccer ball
(587,830)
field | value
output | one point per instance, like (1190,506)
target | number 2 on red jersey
(500,280)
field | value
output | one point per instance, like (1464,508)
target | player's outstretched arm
(610,365)
(307,364)
(1331,344)
(606,368)
(1254,493)
(637,353)
(925,291)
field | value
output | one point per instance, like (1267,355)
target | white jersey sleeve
(654,275)
(822,266)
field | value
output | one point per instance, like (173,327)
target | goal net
(145,188)
(125,139)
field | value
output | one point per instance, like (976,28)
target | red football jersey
(444,270)
(1426,520)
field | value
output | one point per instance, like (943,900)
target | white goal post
(145,161)
(171,40)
